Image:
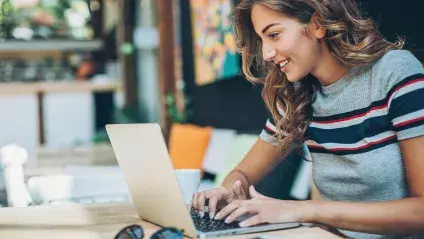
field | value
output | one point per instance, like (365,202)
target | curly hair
(352,39)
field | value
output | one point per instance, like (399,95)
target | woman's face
(285,42)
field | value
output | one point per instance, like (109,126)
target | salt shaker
(12,159)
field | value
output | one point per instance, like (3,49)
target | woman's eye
(273,35)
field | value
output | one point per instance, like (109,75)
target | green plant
(7,21)
(172,109)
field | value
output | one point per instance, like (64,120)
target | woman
(334,83)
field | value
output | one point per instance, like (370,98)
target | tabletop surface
(94,221)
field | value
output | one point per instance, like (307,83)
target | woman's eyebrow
(267,27)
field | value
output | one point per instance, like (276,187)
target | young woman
(334,84)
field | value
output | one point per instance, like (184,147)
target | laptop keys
(206,224)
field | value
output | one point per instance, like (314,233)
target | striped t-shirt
(356,126)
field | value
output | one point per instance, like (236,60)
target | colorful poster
(215,55)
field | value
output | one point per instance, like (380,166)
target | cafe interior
(69,68)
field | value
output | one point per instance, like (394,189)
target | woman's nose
(269,54)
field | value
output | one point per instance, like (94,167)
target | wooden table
(97,221)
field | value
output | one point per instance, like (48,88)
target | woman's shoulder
(396,66)
(402,60)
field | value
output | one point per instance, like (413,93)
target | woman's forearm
(400,217)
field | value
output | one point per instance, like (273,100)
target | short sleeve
(405,95)
(268,134)
(406,107)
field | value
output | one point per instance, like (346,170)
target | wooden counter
(56,87)
(98,221)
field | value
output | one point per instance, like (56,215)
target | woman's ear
(318,30)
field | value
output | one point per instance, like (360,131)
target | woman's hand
(266,210)
(217,198)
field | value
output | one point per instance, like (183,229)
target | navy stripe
(351,134)
(350,152)
(405,81)
(409,126)
(407,103)
(372,105)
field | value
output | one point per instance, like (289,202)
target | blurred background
(69,67)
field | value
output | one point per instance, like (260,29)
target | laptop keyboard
(206,224)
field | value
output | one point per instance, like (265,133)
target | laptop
(143,157)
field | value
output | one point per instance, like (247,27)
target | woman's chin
(294,78)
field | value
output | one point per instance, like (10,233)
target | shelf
(48,45)
(56,87)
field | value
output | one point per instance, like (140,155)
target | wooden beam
(165,13)
(40,110)
(127,59)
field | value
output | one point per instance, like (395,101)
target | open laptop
(143,157)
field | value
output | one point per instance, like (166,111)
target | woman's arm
(257,163)
(400,217)
(404,216)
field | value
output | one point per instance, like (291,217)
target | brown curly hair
(352,39)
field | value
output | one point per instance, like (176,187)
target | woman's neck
(329,70)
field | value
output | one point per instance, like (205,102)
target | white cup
(189,180)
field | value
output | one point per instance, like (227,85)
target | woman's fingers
(211,198)
(200,199)
(213,201)
(240,211)
(201,204)
(227,210)
(236,187)
(194,201)
(254,194)
(238,190)
(190,204)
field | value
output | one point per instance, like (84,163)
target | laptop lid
(143,157)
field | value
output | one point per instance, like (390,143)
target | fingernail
(201,214)
(242,224)
(217,216)
(211,215)
(227,220)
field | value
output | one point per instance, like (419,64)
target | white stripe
(407,89)
(271,126)
(347,123)
(361,143)
(407,117)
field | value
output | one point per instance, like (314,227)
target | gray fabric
(377,175)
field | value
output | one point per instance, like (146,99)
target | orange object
(188,144)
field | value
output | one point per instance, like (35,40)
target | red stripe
(353,149)
(352,117)
(315,146)
(268,128)
(372,109)
(409,122)
(409,83)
